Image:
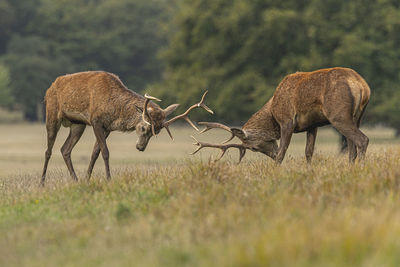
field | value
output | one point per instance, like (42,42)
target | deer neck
(263,123)
(126,113)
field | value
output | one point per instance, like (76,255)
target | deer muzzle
(140,148)
(142,143)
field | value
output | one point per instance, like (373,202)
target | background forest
(174,49)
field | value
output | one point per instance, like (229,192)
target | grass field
(166,208)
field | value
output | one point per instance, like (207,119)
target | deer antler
(212,125)
(185,115)
(146,112)
(224,148)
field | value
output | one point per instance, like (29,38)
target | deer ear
(239,133)
(168,110)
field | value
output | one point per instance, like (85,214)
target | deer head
(154,119)
(252,140)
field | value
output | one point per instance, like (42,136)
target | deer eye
(143,129)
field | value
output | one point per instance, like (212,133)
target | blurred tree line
(42,39)
(237,49)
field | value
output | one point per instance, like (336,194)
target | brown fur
(101,100)
(304,101)
(95,95)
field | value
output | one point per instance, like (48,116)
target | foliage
(58,37)
(120,36)
(240,50)
(33,66)
(227,47)
(389,110)
(15,16)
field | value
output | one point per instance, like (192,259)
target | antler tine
(212,125)
(201,103)
(224,148)
(151,97)
(197,143)
(221,155)
(146,112)
(242,152)
(169,133)
(185,114)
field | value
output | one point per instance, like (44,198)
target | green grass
(169,209)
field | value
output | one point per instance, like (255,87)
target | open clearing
(166,208)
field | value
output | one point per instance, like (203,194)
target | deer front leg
(75,134)
(311,135)
(99,132)
(286,135)
(95,155)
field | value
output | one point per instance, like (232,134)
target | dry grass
(164,208)
(22,148)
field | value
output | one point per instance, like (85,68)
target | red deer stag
(101,100)
(302,102)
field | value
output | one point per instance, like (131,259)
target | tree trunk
(397,131)
(31,114)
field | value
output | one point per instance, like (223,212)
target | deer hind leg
(364,150)
(358,142)
(75,134)
(99,132)
(343,144)
(95,155)
(351,147)
(52,127)
(311,135)
(286,135)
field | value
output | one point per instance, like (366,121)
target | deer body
(100,99)
(87,97)
(304,101)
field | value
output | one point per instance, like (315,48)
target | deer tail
(357,105)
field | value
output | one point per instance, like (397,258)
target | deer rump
(304,101)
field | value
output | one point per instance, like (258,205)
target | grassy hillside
(169,209)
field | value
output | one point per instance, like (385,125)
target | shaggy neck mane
(263,122)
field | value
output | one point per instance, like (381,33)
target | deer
(302,102)
(100,99)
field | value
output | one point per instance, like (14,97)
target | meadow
(164,207)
